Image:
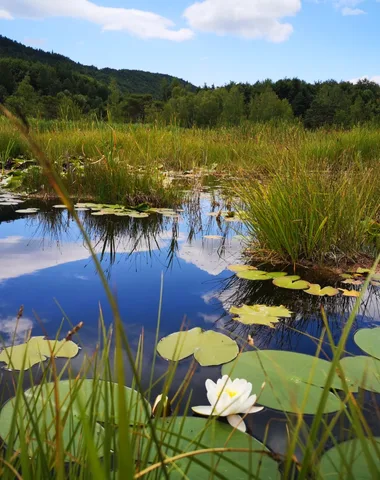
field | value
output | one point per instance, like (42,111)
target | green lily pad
(60,206)
(363,371)
(35,351)
(349,293)
(28,210)
(8,203)
(213,237)
(138,214)
(316,289)
(376,277)
(363,270)
(98,399)
(188,434)
(240,268)
(294,381)
(368,339)
(208,347)
(349,460)
(260,275)
(291,282)
(346,275)
(260,314)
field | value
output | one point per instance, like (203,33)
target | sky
(207,41)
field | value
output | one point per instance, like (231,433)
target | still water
(45,266)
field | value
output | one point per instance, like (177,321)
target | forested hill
(129,81)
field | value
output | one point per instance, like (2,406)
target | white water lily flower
(229,399)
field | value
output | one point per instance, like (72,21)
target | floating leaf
(368,339)
(349,293)
(188,434)
(138,214)
(316,289)
(209,348)
(59,206)
(291,282)
(56,348)
(8,203)
(363,270)
(376,277)
(260,275)
(37,407)
(349,460)
(294,381)
(82,209)
(240,268)
(28,210)
(346,275)
(212,237)
(35,351)
(352,281)
(375,284)
(362,371)
(260,314)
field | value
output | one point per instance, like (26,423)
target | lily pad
(208,347)
(260,314)
(35,351)
(28,210)
(188,434)
(260,275)
(349,293)
(294,381)
(346,275)
(352,281)
(291,282)
(98,399)
(138,214)
(316,289)
(368,339)
(240,268)
(213,237)
(349,460)
(363,270)
(362,371)
(60,206)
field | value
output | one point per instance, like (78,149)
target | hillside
(131,81)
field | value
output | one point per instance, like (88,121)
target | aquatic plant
(229,399)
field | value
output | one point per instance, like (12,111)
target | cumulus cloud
(349,7)
(4,15)
(244,18)
(136,22)
(347,11)
(373,78)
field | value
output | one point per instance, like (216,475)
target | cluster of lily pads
(140,211)
(294,282)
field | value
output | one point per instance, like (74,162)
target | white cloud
(4,15)
(137,22)
(349,7)
(15,331)
(347,11)
(244,18)
(374,78)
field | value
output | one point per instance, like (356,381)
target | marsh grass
(123,455)
(320,215)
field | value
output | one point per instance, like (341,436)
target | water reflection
(46,267)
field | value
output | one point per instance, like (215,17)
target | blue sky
(212,41)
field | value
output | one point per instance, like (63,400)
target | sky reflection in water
(46,267)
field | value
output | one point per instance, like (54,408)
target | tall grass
(319,215)
(128,450)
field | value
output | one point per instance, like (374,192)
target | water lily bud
(162,406)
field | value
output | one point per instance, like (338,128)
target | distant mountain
(131,81)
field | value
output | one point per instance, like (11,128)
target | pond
(46,267)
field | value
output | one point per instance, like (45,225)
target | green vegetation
(45,85)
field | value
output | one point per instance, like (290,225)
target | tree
(330,106)
(25,99)
(233,106)
(268,106)
(114,109)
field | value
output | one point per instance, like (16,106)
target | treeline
(54,87)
